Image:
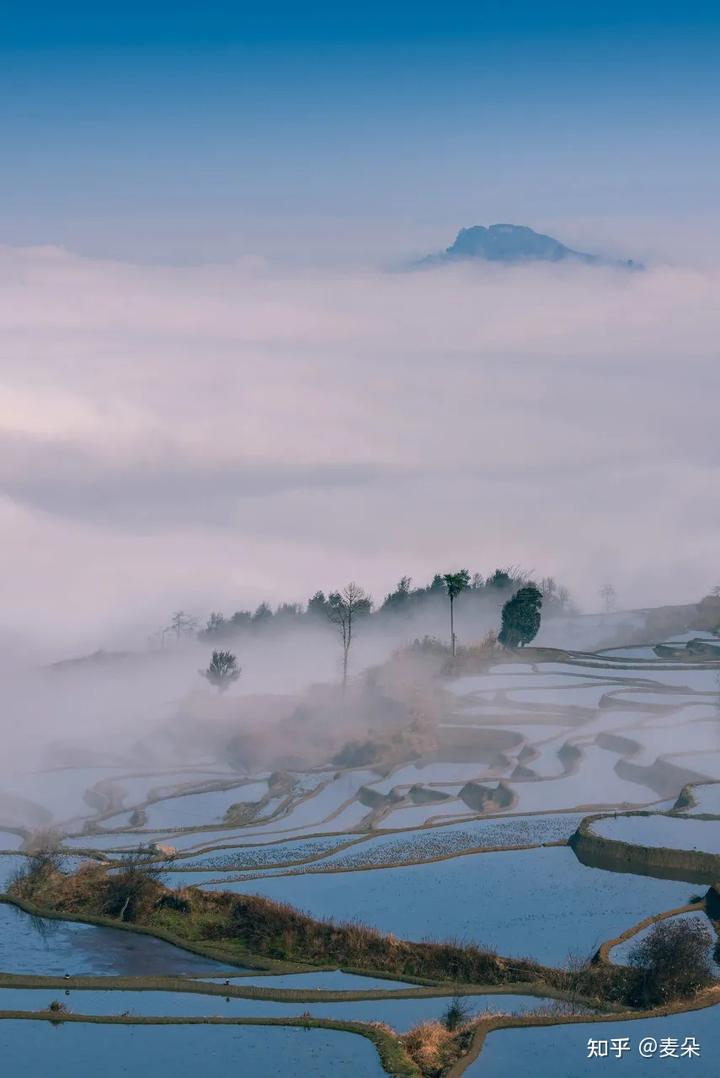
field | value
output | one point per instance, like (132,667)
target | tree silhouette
(608,594)
(454,584)
(182,624)
(222,671)
(521,617)
(344,607)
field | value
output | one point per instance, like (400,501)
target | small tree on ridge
(222,671)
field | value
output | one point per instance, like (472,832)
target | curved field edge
(662,862)
(603,952)
(709,998)
(393,1057)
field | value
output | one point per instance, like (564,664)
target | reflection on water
(44,946)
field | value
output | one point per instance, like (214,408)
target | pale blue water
(539,903)
(10,841)
(248,858)
(674,832)
(561,1051)
(401,1014)
(38,1049)
(38,945)
(194,810)
(454,838)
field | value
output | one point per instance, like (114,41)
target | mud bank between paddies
(662,862)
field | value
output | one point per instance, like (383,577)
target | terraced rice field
(547,742)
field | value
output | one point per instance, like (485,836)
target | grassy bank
(250,930)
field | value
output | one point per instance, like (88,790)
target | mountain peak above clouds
(515,243)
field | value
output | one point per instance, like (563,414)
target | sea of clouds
(212,436)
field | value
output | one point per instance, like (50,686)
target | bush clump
(672,962)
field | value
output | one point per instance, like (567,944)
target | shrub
(133,887)
(171,900)
(36,873)
(456,1014)
(434,1048)
(673,961)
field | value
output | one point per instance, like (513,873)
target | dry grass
(434,1048)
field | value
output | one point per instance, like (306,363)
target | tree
(399,599)
(608,595)
(456,1014)
(182,624)
(344,608)
(521,617)
(454,584)
(500,579)
(262,615)
(241,619)
(216,625)
(673,960)
(133,886)
(318,605)
(222,671)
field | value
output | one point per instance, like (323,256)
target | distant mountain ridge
(515,243)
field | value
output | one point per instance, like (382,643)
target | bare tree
(344,608)
(608,594)
(182,624)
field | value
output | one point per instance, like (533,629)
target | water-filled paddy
(418,815)
(427,774)
(401,1014)
(252,857)
(12,863)
(595,782)
(677,833)
(138,788)
(667,740)
(194,810)
(43,946)
(9,865)
(587,696)
(707,799)
(10,841)
(84,1050)
(454,839)
(706,764)
(61,792)
(519,903)
(562,1051)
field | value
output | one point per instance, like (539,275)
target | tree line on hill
(404,602)
(521,601)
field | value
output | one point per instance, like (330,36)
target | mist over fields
(214,436)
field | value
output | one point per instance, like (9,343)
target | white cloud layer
(213,436)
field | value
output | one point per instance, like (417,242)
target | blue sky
(176,131)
